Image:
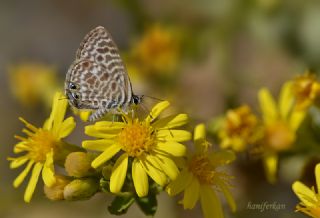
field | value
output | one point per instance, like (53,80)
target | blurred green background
(204,56)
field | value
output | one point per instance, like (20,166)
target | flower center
(279,136)
(201,168)
(40,144)
(315,211)
(240,122)
(137,138)
(303,87)
(306,89)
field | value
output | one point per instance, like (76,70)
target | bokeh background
(204,56)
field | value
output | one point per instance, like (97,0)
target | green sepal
(121,204)
(148,204)
(105,185)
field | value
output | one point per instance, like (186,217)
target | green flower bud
(80,189)
(55,192)
(63,149)
(78,164)
(106,172)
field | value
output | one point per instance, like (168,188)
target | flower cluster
(275,131)
(136,158)
(157,52)
(42,147)
(310,198)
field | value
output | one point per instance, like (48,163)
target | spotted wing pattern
(98,79)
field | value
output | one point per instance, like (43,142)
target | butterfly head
(137,99)
(73,94)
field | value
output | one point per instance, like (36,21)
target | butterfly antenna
(158,99)
(62,98)
(147,110)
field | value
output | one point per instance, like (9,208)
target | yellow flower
(83,114)
(200,177)
(280,122)
(157,51)
(238,129)
(310,199)
(40,147)
(306,90)
(32,83)
(149,144)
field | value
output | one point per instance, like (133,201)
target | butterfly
(98,80)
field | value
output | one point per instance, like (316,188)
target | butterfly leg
(98,114)
(106,107)
(115,117)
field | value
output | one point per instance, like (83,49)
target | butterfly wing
(99,71)
(99,47)
(96,87)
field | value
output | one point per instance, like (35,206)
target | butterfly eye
(76,96)
(136,99)
(72,86)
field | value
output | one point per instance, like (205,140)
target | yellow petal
(66,127)
(108,153)
(48,171)
(32,182)
(199,136)
(191,194)
(317,174)
(60,104)
(156,110)
(171,121)
(84,115)
(17,162)
(305,194)
(286,100)
(140,179)
(47,124)
(226,191)
(97,145)
(174,135)
(109,125)
(118,174)
(153,169)
(270,162)
(296,119)
(168,166)
(20,147)
(267,105)
(178,185)
(17,182)
(210,204)
(28,125)
(92,130)
(58,111)
(171,147)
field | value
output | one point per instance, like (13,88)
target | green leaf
(120,204)
(148,204)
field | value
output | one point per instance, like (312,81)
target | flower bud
(78,164)
(62,150)
(55,192)
(106,171)
(80,189)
